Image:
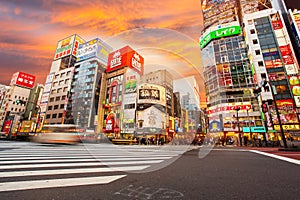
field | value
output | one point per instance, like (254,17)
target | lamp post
(249,122)
(238,124)
(38,118)
(277,112)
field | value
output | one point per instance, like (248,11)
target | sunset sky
(164,32)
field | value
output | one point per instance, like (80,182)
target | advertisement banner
(23,79)
(131,81)
(286,111)
(125,57)
(151,93)
(64,47)
(215,126)
(152,117)
(291,69)
(94,48)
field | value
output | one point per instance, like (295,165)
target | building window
(55,107)
(252,31)
(257,52)
(63,97)
(57,98)
(60,115)
(54,116)
(59,90)
(48,116)
(65,89)
(49,107)
(53,92)
(255,41)
(62,106)
(62,75)
(51,99)
(260,63)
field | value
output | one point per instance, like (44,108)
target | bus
(59,133)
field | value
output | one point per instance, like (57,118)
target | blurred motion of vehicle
(26,130)
(59,134)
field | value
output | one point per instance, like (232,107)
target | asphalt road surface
(102,171)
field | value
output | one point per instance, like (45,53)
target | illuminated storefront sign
(229,108)
(255,129)
(151,93)
(295,127)
(222,32)
(125,57)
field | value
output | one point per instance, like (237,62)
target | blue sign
(254,129)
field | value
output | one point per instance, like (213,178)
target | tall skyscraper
(227,71)
(55,103)
(246,45)
(91,64)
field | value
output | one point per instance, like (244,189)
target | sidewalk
(279,151)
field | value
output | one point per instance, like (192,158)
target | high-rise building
(91,64)
(55,105)
(246,45)
(227,71)
(15,101)
(118,96)
(276,67)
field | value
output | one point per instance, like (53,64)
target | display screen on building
(219,33)
(125,57)
(23,79)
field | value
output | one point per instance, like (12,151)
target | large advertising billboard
(23,79)
(94,48)
(151,93)
(219,33)
(125,57)
(68,46)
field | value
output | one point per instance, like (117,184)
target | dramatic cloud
(30,29)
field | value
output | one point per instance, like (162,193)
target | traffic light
(19,101)
(264,107)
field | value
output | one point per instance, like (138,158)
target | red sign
(125,57)
(23,79)
(277,24)
(285,50)
(110,123)
(6,126)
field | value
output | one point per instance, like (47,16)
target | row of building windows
(55,107)
(52,99)
(54,116)
(59,90)
(61,82)
(62,75)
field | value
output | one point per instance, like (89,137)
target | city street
(104,171)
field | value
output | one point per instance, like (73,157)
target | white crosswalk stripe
(25,165)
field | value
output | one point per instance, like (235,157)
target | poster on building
(152,117)
(286,111)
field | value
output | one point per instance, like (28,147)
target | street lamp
(277,112)
(38,118)
(238,124)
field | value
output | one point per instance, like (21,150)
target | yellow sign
(288,127)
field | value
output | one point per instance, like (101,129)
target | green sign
(255,129)
(222,32)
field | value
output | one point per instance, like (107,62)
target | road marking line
(26,166)
(294,161)
(51,183)
(80,160)
(71,171)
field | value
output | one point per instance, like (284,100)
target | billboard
(68,46)
(94,48)
(23,79)
(219,33)
(131,79)
(125,57)
(151,93)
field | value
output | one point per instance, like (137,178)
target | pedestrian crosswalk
(25,166)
